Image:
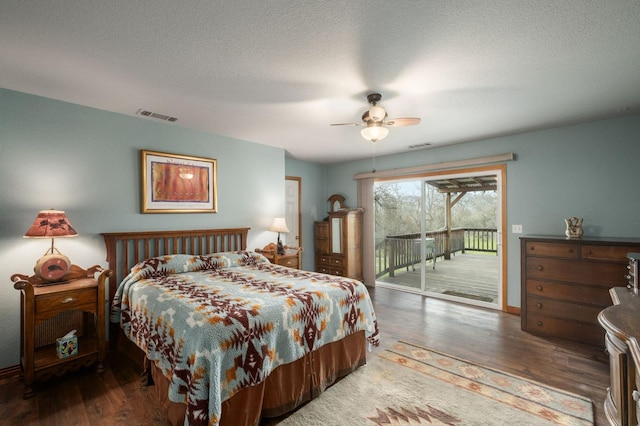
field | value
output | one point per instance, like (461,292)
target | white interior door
(293,188)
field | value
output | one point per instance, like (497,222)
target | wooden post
(447,249)
(392,258)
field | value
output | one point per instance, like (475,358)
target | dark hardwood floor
(479,335)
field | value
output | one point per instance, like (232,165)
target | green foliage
(397,209)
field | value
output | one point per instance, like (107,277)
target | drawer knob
(540,268)
(636,395)
(539,323)
(68,300)
(539,288)
(589,252)
(539,305)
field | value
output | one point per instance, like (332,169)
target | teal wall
(87,162)
(589,170)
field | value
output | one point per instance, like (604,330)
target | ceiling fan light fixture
(374,133)
(377,113)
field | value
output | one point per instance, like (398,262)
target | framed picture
(173,183)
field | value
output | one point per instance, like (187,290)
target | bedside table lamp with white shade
(53,266)
(279,225)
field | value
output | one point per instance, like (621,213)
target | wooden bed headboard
(126,249)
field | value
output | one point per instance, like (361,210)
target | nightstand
(291,257)
(49,311)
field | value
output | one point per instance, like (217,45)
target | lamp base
(280,248)
(52,267)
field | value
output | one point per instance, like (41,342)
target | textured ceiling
(279,72)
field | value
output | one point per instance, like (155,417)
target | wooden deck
(469,276)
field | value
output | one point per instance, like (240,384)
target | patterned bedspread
(218,323)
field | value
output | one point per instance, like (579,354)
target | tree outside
(397,209)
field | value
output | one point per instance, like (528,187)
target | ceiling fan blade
(346,124)
(405,121)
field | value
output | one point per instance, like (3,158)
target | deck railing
(403,250)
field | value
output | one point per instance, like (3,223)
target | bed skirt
(286,388)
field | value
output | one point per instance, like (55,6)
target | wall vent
(156,115)
(420,145)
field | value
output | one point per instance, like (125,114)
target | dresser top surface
(622,318)
(584,239)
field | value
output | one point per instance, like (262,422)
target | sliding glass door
(440,235)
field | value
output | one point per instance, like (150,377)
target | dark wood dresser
(622,325)
(566,282)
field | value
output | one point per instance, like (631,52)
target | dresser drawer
(561,250)
(82,300)
(329,270)
(609,253)
(570,330)
(594,273)
(563,310)
(330,261)
(594,295)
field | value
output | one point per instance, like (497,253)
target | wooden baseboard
(8,372)
(513,310)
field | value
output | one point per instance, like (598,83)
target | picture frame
(174,183)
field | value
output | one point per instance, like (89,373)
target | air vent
(420,145)
(156,115)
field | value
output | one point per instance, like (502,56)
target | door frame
(500,171)
(298,181)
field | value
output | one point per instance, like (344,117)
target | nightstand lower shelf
(47,364)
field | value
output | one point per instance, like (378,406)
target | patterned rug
(411,385)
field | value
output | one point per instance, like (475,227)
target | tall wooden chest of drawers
(338,244)
(566,282)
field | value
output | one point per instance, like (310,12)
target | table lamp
(53,266)
(279,225)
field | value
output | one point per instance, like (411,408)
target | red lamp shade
(51,224)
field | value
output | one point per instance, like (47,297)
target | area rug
(412,385)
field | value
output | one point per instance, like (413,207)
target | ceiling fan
(375,121)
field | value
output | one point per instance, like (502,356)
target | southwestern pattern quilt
(215,324)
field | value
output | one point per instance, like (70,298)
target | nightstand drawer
(84,300)
(291,262)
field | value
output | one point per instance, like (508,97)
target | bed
(226,336)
